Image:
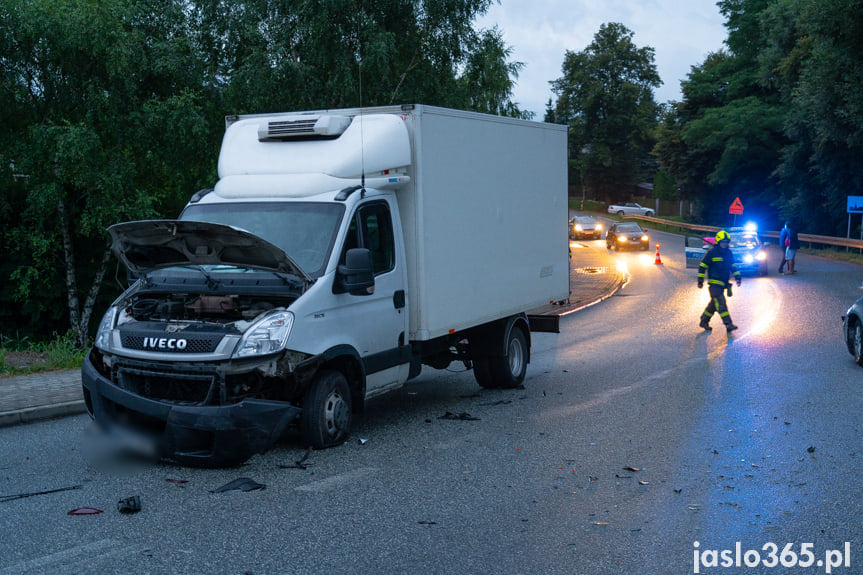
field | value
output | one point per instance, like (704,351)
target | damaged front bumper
(191,434)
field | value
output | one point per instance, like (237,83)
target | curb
(31,414)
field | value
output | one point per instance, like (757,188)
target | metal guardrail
(806,238)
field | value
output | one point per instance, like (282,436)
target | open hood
(153,244)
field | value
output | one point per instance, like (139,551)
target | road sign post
(736,209)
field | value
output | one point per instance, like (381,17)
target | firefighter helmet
(722,236)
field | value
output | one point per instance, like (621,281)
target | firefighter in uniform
(718,265)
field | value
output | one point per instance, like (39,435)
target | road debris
(463,416)
(129,505)
(242,484)
(300,463)
(5,498)
(85,511)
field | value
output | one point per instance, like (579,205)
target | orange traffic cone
(658,260)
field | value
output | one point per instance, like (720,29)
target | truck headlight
(106,326)
(267,336)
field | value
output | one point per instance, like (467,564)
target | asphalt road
(636,435)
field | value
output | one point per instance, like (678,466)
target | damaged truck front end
(192,357)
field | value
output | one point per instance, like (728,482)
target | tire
(857,343)
(508,371)
(482,373)
(763,271)
(327,413)
(648,214)
(620,213)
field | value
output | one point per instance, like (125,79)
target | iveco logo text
(164,343)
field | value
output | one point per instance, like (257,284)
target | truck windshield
(306,231)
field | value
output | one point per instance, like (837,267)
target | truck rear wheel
(482,372)
(326,417)
(508,371)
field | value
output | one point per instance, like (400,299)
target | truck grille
(171,386)
(196,344)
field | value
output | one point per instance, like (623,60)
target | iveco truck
(338,252)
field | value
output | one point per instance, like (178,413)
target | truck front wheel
(326,417)
(508,371)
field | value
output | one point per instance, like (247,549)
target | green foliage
(777,119)
(59,352)
(606,97)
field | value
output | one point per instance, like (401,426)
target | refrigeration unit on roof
(305,126)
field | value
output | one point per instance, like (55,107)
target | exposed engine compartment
(201,307)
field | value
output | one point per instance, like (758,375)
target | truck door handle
(399,299)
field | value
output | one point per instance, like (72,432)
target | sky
(681,32)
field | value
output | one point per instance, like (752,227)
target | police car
(750,254)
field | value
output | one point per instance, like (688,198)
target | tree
(269,55)
(725,138)
(816,53)
(107,126)
(606,97)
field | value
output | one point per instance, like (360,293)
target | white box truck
(338,252)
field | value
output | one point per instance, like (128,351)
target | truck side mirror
(356,275)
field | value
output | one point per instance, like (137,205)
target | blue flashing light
(751,227)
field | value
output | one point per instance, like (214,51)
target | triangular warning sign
(736,207)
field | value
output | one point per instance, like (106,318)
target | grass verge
(21,356)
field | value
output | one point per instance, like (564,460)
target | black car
(626,236)
(852,330)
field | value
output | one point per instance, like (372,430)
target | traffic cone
(658,260)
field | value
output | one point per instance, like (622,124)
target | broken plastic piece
(5,498)
(243,484)
(129,505)
(177,481)
(463,416)
(85,511)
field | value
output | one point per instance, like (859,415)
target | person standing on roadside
(792,245)
(718,265)
(783,239)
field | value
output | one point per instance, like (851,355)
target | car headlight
(106,326)
(761,256)
(578,227)
(645,238)
(621,239)
(269,335)
(598,227)
(748,259)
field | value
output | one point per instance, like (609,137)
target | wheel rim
(336,413)
(516,357)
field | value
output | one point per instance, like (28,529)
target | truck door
(385,312)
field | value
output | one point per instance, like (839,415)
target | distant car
(749,252)
(852,329)
(581,227)
(626,236)
(629,209)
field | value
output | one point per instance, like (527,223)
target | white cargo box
(485,218)
(484,211)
